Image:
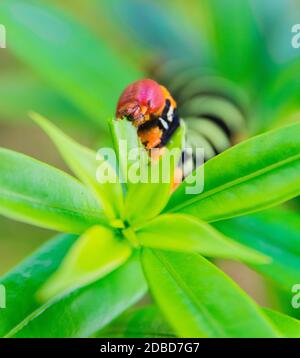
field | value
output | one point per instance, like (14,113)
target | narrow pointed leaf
(96,253)
(254,175)
(242,33)
(39,194)
(151,196)
(274,232)
(23,282)
(185,233)
(86,310)
(145,322)
(125,140)
(289,327)
(85,164)
(199,300)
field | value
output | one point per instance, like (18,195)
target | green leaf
(24,281)
(151,195)
(83,67)
(96,253)
(254,175)
(125,140)
(39,194)
(289,327)
(276,233)
(86,164)
(88,309)
(185,233)
(241,49)
(19,87)
(281,99)
(136,170)
(145,322)
(199,300)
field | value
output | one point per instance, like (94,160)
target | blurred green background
(69,60)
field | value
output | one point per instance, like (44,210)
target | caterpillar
(152,110)
(213,119)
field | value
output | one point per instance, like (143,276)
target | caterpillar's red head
(151,109)
(143,100)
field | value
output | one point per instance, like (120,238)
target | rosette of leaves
(82,296)
(121,240)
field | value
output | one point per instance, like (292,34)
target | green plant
(135,237)
(122,241)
